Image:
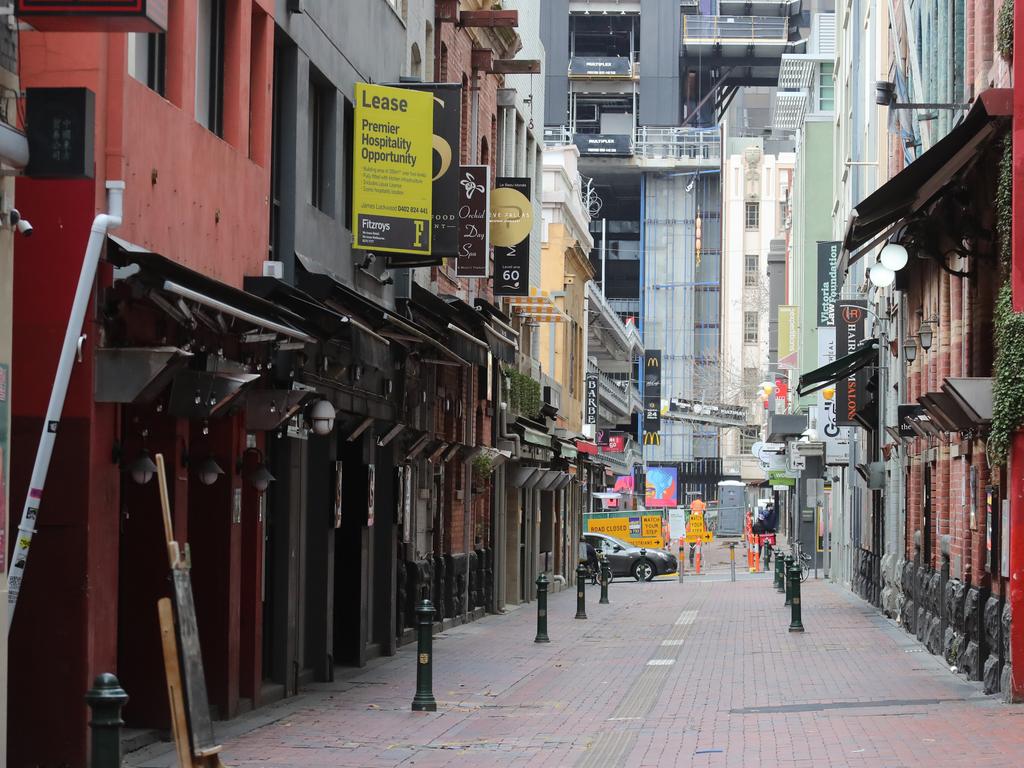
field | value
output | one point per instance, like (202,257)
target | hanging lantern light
(143,468)
(208,471)
(926,333)
(910,349)
(893,256)
(880,275)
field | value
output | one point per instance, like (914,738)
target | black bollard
(606,575)
(788,578)
(424,700)
(780,576)
(795,623)
(105,699)
(542,610)
(581,582)
(643,556)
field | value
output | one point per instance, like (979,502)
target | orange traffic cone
(757,557)
(698,559)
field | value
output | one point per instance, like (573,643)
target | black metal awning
(185,293)
(497,339)
(447,320)
(840,369)
(367,345)
(926,179)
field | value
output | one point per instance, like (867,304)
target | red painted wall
(196,198)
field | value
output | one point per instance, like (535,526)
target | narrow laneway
(703,673)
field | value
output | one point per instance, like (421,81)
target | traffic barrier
(424,700)
(542,610)
(795,622)
(581,586)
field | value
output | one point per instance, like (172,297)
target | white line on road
(661,662)
(671,642)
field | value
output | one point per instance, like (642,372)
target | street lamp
(143,468)
(259,476)
(893,256)
(880,275)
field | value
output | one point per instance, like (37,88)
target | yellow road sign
(696,531)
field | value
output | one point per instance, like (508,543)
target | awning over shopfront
(191,297)
(837,370)
(963,405)
(538,306)
(926,179)
(367,346)
(500,342)
(458,334)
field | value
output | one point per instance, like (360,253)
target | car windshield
(619,542)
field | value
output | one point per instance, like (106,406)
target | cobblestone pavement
(702,673)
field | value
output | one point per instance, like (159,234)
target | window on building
(210,41)
(826,88)
(748,436)
(751,378)
(750,327)
(752,215)
(348,129)
(147,59)
(751,270)
(322,106)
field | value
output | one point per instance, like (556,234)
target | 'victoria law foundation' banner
(511,223)
(392,171)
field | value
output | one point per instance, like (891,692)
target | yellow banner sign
(638,530)
(392,186)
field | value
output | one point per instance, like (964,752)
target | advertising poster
(652,397)
(474,210)
(851,315)
(623,484)
(837,438)
(392,188)
(662,489)
(638,530)
(445,172)
(511,224)
(616,442)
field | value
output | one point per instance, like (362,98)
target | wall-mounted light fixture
(926,334)
(910,349)
(208,471)
(142,468)
(885,96)
(257,474)
(321,417)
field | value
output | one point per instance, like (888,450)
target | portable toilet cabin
(731,507)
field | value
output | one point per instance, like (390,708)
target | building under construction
(639,86)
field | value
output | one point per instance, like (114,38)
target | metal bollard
(643,556)
(795,623)
(732,561)
(606,574)
(424,700)
(542,610)
(682,563)
(105,699)
(789,581)
(780,574)
(581,586)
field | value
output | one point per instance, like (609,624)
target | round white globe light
(894,256)
(321,417)
(880,275)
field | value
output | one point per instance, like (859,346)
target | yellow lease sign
(696,530)
(392,169)
(639,530)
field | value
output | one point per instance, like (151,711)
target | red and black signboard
(851,316)
(94,15)
(474,213)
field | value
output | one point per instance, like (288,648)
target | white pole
(604,271)
(86,278)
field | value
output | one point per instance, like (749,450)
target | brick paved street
(699,674)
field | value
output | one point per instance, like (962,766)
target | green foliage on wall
(483,465)
(1008,386)
(524,394)
(1004,30)
(1004,205)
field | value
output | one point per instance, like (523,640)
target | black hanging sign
(511,223)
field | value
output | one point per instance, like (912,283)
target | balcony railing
(739,29)
(678,143)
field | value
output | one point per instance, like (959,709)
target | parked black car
(627,560)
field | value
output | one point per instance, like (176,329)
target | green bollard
(424,701)
(780,573)
(795,623)
(606,574)
(105,699)
(789,581)
(581,586)
(542,610)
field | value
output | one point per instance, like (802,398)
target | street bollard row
(787,578)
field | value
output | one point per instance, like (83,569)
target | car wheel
(643,570)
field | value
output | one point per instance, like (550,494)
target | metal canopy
(135,374)
(944,412)
(839,369)
(973,395)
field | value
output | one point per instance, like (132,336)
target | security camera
(24,226)
(387,279)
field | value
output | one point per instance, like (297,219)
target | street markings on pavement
(661,662)
(686,617)
(671,642)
